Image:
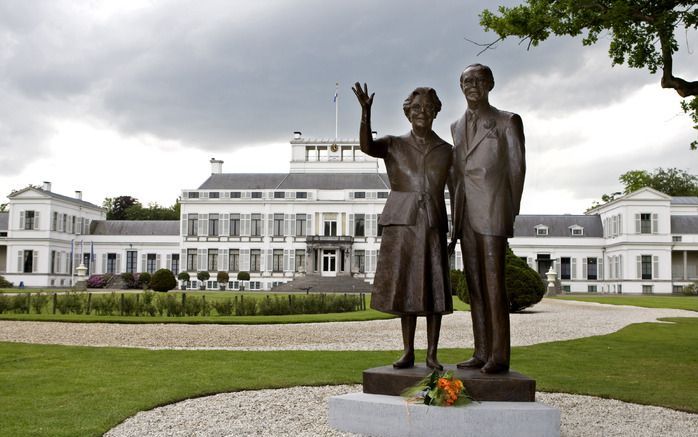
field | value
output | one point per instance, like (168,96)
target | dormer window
(541,230)
(576,231)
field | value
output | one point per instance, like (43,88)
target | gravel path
(301,412)
(550,320)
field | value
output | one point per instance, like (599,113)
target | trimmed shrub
(105,304)
(222,278)
(143,280)
(71,303)
(163,280)
(38,302)
(193,306)
(690,290)
(458,285)
(19,304)
(4,283)
(98,281)
(523,284)
(243,276)
(203,276)
(4,303)
(224,307)
(183,276)
(129,280)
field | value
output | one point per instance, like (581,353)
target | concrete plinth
(390,416)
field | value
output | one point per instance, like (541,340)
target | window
(541,230)
(278,225)
(301,195)
(131,259)
(359,225)
(151,263)
(646,289)
(256,195)
(676,238)
(213,260)
(592,268)
(591,288)
(646,261)
(300,225)
(278,260)
(29,217)
(27,258)
(577,231)
(279,195)
(255,285)
(193,195)
(300,260)
(174,265)
(73,229)
(645,223)
(234,260)
(193,224)
(359,194)
(382,194)
(347,153)
(360,261)
(256,225)
(214,195)
(330,228)
(235,194)
(255,257)
(111,263)
(380,226)
(565,268)
(234,225)
(54,261)
(323,154)
(191,260)
(234,285)
(566,288)
(54,222)
(213,225)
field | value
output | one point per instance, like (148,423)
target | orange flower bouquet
(439,390)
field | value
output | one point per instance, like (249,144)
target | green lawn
(678,302)
(68,391)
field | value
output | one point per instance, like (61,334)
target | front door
(329,262)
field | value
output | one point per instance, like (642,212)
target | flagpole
(336,111)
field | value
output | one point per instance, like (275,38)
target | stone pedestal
(392,416)
(510,387)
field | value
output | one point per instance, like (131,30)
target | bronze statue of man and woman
(484,171)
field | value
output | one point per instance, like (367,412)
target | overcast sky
(134,97)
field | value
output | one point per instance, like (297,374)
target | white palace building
(321,219)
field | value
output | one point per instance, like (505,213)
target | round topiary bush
(144,279)
(203,276)
(243,276)
(523,284)
(183,276)
(163,280)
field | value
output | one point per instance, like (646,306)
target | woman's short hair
(424,91)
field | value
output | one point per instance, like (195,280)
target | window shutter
(66,263)
(225,227)
(308,221)
(223,260)
(614,226)
(35,261)
(168,262)
(245,220)
(158,261)
(557,267)
(573,268)
(270,264)
(183,261)
(290,230)
(76,261)
(270,225)
(104,263)
(655,267)
(459,260)
(78,226)
(639,267)
(372,220)
(620,224)
(20,256)
(351,195)
(202,263)
(620,266)
(203,225)
(605,227)
(637,223)
(600,262)
(351,225)
(287,261)
(143,262)
(118,263)
(21,220)
(185,222)
(584,268)
(655,223)
(244,260)
(36,220)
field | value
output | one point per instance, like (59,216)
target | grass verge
(676,302)
(67,391)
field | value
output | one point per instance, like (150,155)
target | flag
(336,92)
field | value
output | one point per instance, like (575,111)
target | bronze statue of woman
(412,276)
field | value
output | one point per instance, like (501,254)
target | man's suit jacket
(487,176)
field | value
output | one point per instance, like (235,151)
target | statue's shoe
(433,364)
(492,367)
(405,362)
(473,363)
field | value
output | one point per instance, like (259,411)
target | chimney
(297,135)
(46,186)
(374,134)
(78,195)
(216,166)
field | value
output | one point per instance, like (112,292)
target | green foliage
(458,286)
(38,302)
(203,276)
(183,276)
(222,277)
(105,304)
(670,181)
(129,208)
(523,284)
(4,303)
(690,290)
(243,276)
(642,33)
(224,307)
(163,280)
(71,303)
(4,283)
(129,280)
(144,279)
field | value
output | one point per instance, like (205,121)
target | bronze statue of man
(412,275)
(486,183)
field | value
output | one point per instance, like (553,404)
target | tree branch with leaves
(642,33)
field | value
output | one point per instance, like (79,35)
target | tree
(163,280)
(670,181)
(642,33)
(3,207)
(129,208)
(118,206)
